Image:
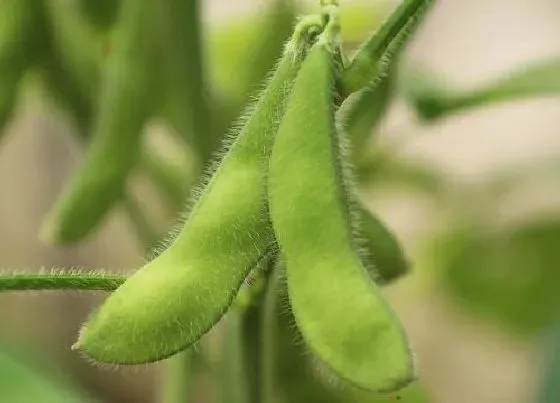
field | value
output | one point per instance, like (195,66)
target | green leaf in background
(101,13)
(16,27)
(549,391)
(433,100)
(509,276)
(25,380)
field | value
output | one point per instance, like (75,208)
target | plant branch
(60,281)
(374,59)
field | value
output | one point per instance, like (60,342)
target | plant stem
(234,382)
(176,382)
(268,334)
(257,338)
(374,58)
(62,281)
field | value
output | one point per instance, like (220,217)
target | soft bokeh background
(462,358)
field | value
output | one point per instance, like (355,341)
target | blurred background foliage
(483,243)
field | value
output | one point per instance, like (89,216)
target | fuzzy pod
(72,44)
(124,105)
(339,309)
(16,24)
(63,70)
(180,295)
(381,252)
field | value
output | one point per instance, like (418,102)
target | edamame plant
(275,249)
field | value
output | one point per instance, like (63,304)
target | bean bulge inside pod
(176,298)
(338,308)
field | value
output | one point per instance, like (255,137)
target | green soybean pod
(338,308)
(15,25)
(380,250)
(124,105)
(176,298)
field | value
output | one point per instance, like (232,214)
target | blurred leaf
(16,27)
(550,388)
(102,13)
(23,380)
(433,100)
(512,277)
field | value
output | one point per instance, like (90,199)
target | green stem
(62,281)
(176,382)
(234,380)
(257,342)
(268,334)
(539,79)
(373,60)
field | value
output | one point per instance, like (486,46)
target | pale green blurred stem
(177,380)
(258,338)
(539,79)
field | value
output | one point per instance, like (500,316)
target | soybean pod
(16,24)
(60,65)
(380,250)
(124,104)
(176,298)
(339,309)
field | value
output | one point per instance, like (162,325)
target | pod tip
(49,234)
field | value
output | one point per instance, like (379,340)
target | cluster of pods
(282,189)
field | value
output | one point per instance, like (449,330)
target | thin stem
(256,343)
(177,380)
(268,334)
(539,79)
(234,381)
(373,60)
(62,281)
